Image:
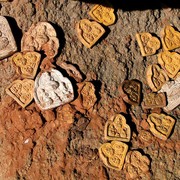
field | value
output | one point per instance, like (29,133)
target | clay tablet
(89,32)
(113,154)
(52,89)
(154,100)
(172,90)
(147,43)
(136,165)
(170,38)
(117,129)
(156,77)
(170,62)
(7,42)
(26,63)
(130,91)
(161,125)
(41,36)
(102,14)
(21,91)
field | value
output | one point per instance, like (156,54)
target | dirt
(63,143)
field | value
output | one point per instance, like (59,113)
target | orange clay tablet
(21,91)
(170,38)
(26,63)
(161,125)
(41,36)
(136,165)
(156,77)
(148,44)
(154,100)
(117,129)
(170,62)
(113,154)
(89,32)
(102,14)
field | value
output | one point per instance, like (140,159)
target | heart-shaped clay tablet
(156,77)
(102,14)
(170,38)
(136,165)
(113,154)
(26,63)
(147,43)
(89,32)
(52,89)
(7,41)
(161,125)
(170,62)
(21,91)
(154,100)
(117,129)
(41,36)
(130,91)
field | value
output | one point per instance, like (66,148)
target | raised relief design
(117,129)
(88,95)
(52,89)
(102,14)
(89,32)
(7,42)
(154,100)
(113,154)
(170,62)
(170,38)
(148,44)
(26,63)
(136,165)
(145,138)
(156,77)
(131,91)
(172,90)
(161,125)
(21,91)
(71,70)
(41,36)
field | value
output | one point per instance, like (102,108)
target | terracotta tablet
(89,32)
(170,38)
(161,125)
(130,91)
(21,91)
(148,44)
(145,138)
(26,63)
(7,42)
(154,100)
(88,95)
(170,62)
(102,14)
(117,129)
(172,90)
(52,89)
(41,36)
(156,77)
(113,154)
(136,165)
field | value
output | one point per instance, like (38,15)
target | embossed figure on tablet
(52,90)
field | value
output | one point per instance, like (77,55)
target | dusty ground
(45,145)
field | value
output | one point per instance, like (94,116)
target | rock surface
(63,143)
